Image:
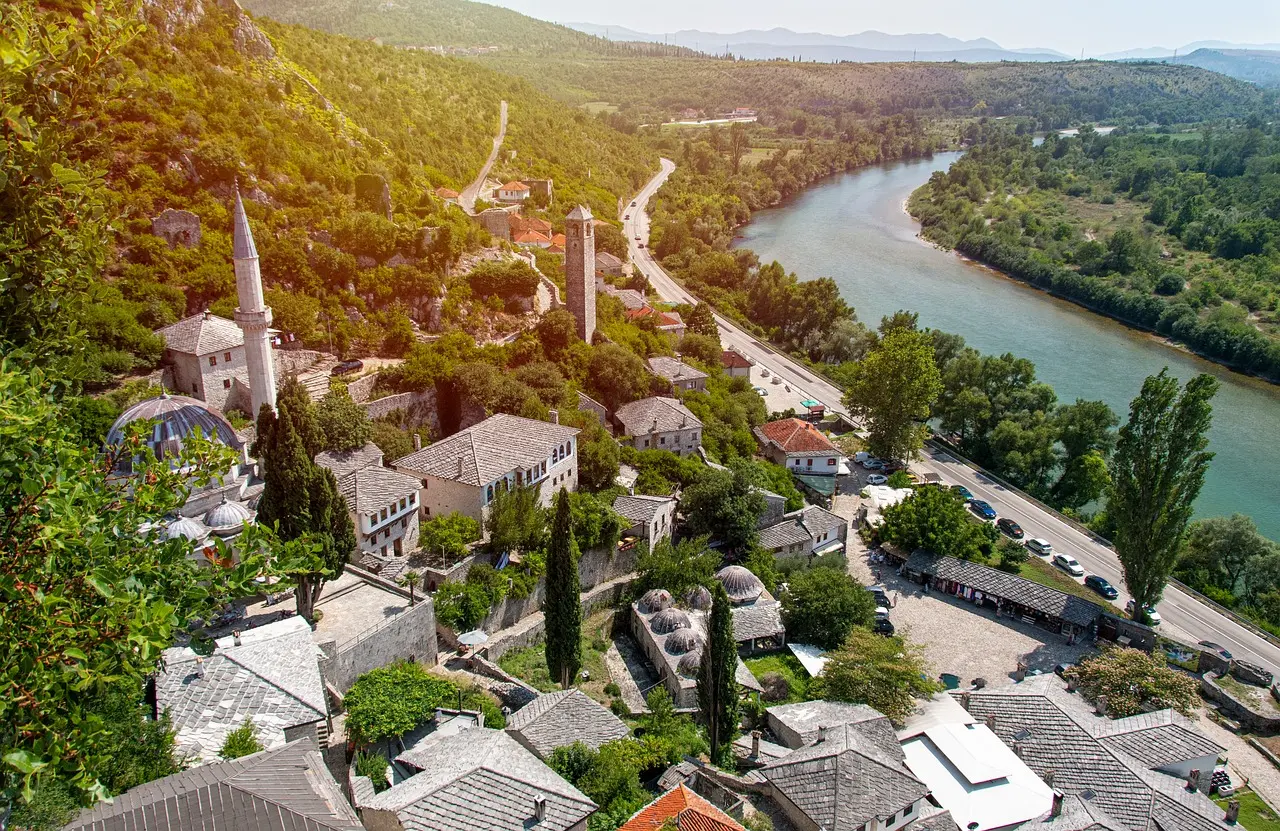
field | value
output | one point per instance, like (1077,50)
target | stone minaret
(580,270)
(253,315)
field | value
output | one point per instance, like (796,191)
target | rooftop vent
(1022,735)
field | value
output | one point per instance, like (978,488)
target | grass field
(1255,814)
(597,107)
(530,664)
(1045,573)
(786,665)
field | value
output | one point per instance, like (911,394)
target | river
(852,227)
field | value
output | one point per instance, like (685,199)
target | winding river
(853,228)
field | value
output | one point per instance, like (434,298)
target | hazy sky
(1097,26)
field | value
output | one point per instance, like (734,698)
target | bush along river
(853,228)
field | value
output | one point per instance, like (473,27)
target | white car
(877,479)
(764,373)
(1068,564)
(1152,614)
(1039,546)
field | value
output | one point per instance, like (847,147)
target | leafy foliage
(893,388)
(935,519)
(886,673)
(344,423)
(677,566)
(242,741)
(517,520)
(449,534)
(821,606)
(717,687)
(374,766)
(725,504)
(563,606)
(1135,682)
(392,700)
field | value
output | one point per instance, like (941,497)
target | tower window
(226,383)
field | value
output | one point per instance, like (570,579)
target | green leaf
(24,761)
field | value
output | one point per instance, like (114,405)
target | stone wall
(534,627)
(410,633)
(419,408)
(361,388)
(177,228)
(1250,719)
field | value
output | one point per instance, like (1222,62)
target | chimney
(755,743)
(655,426)
(1056,810)
(1233,812)
(235,634)
(199,667)
(206,314)
(439,715)
(964,700)
(1048,780)
(822,734)
(1100,706)
(1017,749)
(1071,684)
(539,808)
(554,415)
(417,441)
(990,721)
(1193,779)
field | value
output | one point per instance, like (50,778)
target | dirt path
(468,198)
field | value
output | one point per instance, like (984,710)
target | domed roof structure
(698,598)
(187,527)
(690,663)
(668,621)
(227,518)
(681,641)
(655,600)
(177,419)
(740,584)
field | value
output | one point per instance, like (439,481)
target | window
(909,810)
(489,497)
(808,462)
(662,440)
(413,499)
(646,442)
(213,360)
(568,449)
(226,383)
(403,503)
(384,513)
(226,357)
(831,462)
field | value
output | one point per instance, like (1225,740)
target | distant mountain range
(868,47)
(1166,52)
(1258,66)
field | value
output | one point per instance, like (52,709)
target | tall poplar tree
(563,608)
(893,389)
(717,688)
(1157,472)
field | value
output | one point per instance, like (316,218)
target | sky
(1096,26)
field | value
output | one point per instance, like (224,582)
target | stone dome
(681,641)
(690,663)
(177,418)
(186,527)
(698,598)
(227,518)
(740,584)
(668,621)
(655,600)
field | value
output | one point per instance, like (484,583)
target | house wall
(738,371)
(443,496)
(404,531)
(683,691)
(683,442)
(378,820)
(818,463)
(218,381)
(659,528)
(410,633)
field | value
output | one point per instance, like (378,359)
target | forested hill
(206,97)
(451,25)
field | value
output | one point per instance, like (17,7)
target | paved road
(468,197)
(1184,617)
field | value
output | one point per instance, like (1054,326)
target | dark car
(347,366)
(982,509)
(1011,528)
(963,491)
(882,626)
(1061,670)
(1101,586)
(1213,647)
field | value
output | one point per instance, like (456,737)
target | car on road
(877,479)
(1213,647)
(637,237)
(963,492)
(1011,528)
(982,509)
(761,391)
(347,366)
(883,626)
(1152,614)
(1068,564)
(641,245)
(1039,546)
(633,204)
(627,216)
(1101,586)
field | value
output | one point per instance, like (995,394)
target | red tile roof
(796,436)
(531,238)
(517,186)
(558,239)
(690,811)
(664,318)
(734,360)
(445,193)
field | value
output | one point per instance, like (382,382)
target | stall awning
(834,545)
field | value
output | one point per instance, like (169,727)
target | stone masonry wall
(410,633)
(534,628)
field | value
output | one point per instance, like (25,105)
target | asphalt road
(1183,617)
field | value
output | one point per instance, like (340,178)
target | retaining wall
(410,633)
(533,628)
(1251,720)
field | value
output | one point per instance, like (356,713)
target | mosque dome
(655,600)
(177,418)
(740,584)
(698,598)
(668,621)
(227,518)
(681,641)
(690,663)
(186,527)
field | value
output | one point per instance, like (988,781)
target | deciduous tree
(820,606)
(892,388)
(1135,682)
(344,423)
(887,674)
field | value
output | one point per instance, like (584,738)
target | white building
(651,517)
(467,470)
(383,503)
(811,531)
(512,192)
(798,446)
(660,423)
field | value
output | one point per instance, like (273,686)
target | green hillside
(298,117)
(450,25)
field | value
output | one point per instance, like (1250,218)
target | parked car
(347,366)
(982,509)
(878,592)
(963,491)
(1152,614)
(882,626)
(877,479)
(1061,670)
(1213,647)
(776,380)
(1011,528)
(761,391)
(1101,586)
(764,373)
(872,463)
(1068,564)
(1039,546)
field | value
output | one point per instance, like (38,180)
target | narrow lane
(467,200)
(1184,617)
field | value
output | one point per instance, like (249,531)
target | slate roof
(785,533)
(638,417)
(804,525)
(1078,814)
(606,260)
(242,246)
(631,299)
(674,370)
(579,213)
(373,488)
(689,811)
(342,462)
(202,334)
(562,718)
(805,717)
(761,619)
(1056,731)
(272,678)
(489,450)
(285,789)
(846,780)
(639,508)
(479,780)
(1158,739)
(794,437)
(1006,586)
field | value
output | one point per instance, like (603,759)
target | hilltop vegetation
(1176,233)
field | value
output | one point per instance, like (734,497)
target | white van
(1039,546)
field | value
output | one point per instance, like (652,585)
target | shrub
(1134,682)
(242,741)
(392,700)
(776,687)
(374,766)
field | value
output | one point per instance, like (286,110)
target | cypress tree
(563,608)
(717,688)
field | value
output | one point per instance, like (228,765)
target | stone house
(559,719)
(798,446)
(669,322)
(447,196)
(736,365)
(680,375)
(651,517)
(512,192)
(810,532)
(178,228)
(608,265)
(383,503)
(207,355)
(660,423)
